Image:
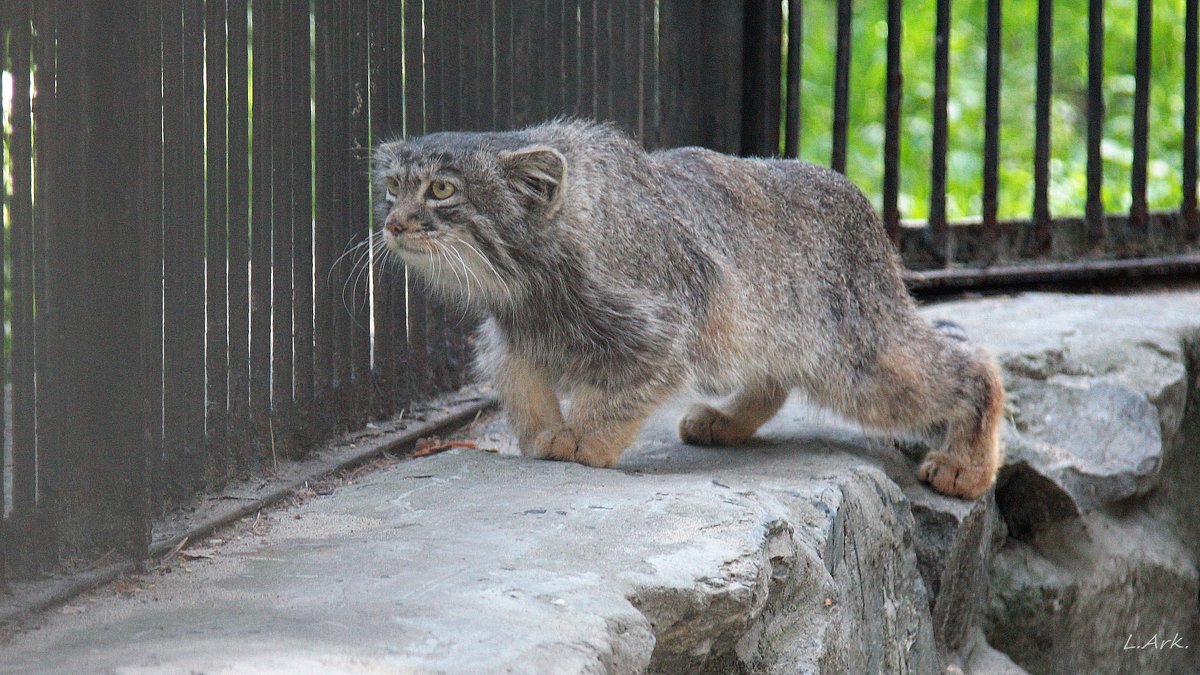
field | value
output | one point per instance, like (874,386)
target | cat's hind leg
(749,409)
(931,382)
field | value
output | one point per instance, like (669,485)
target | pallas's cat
(618,277)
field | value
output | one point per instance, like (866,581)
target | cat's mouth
(411,243)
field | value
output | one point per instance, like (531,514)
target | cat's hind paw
(705,425)
(952,476)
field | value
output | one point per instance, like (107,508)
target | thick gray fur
(620,276)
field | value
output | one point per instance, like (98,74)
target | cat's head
(463,210)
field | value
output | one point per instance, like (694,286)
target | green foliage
(965,110)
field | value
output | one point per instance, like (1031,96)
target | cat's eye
(440,189)
(393,185)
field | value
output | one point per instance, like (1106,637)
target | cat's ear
(538,173)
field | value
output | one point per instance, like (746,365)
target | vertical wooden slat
(795,65)
(282,285)
(991,126)
(587,58)
(216,347)
(239,227)
(556,34)
(1041,148)
(570,56)
(358,217)
(183,291)
(763,25)
(891,128)
(325,292)
(602,27)
(260,234)
(529,63)
(414,125)
(701,73)
(841,85)
(96,475)
(5,537)
(1138,212)
(1191,215)
(393,273)
(651,117)
(21,240)
(941,90)
(300,108)
(383,344)
(151,238)
(40,531)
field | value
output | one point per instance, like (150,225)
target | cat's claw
(949,475)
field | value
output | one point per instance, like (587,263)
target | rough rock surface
(1100,493)
(812,550)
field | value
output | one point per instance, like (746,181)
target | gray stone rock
(1077,597)
(1097,388)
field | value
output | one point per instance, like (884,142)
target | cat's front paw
(952,476)
(566,444)
(705,425)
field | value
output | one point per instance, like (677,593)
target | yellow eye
(440,189)
(393,185)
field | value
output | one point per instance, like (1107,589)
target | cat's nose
(394,225)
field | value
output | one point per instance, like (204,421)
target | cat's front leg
(602,424)
(528,400)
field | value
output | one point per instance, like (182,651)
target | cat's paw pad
(951,476)
(566,444)
(705,425)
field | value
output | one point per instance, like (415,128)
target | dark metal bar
(1094,209)
(216,236)
(941,90)
(841,85)
(1191,214)
(1041,149)
(1138,211)
(991,125)
(1091,271)
(891,131)
(795,65)
(239,226)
